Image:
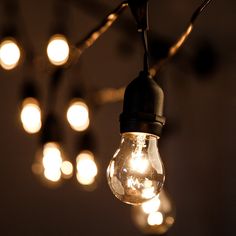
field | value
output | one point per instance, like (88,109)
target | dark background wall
(198,146)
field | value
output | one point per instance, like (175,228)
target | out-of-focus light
(78,115)
(9,54)
(67,169)
(151,205)
(155,218)
(52,161)
(52,175)
(86,168)
(58,50)
(31,115)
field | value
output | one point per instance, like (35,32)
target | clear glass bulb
(78,115)
(155,216)
(58,50)
(135,173)
(9,54)
(31,115)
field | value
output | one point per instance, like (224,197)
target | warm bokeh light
(86,168)
(31,115)
(9,54)
(67,169)
(151,205)
(155,218)
(78,115)
(52,161)
(58,50)
(52,175)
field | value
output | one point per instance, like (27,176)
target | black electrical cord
(146,62)
(106,23)
(181,40)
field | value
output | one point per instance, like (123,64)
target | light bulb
(86,168)
(78,115)
(135,173)
(155,216)
(58,50)
(66,169)
(50,165)
(52,161)
(31,115)
(9,54)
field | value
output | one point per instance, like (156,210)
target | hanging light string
(110,95)
(92,37)
(181,40)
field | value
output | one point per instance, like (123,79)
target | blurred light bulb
(135,173)
(50,165)
(67,169)
(31,115)
(151,205)
(9,54)
(86,168)
(52,175)
(52,161)
(58,50)
(78,115)
(155,216)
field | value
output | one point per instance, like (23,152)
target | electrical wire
(94,35)
(118,94)
(181,40)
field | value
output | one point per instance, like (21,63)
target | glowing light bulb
(9,54)
(135,173)
(52,175)
(52,161)
(58,50)
(78,115)
(50,165)
(151,205)
(86,168)
(31,115)
(67,169)
(155,216)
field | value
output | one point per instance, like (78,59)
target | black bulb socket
(143,106)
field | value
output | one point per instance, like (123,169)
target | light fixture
(10,53)
(67,169)
(155,216)
(135,173)
(50,163)
(30,113)
(78,114)
(58,50)
(86,166)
